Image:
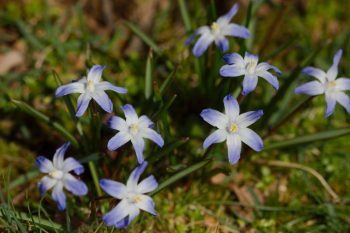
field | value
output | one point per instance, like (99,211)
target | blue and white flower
(132,196)
(217,32)
(133,129)
(91,88)
(327,84)
(58,176)
(249,67)
(232,128)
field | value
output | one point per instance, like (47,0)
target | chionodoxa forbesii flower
(217,33)
(91,88)
(250,68)
(58,176)
(133,129)
(132,196)
(232,128)
(327,84)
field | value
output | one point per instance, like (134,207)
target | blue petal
(130,114)
(145,122)
(333,71)
(249,83)
(263,66)
(103,100)
(330,105)
(58,196)
(315,72)
(117,123)
(223,44)
(59,155)
(44,164)
(200,30)
(83,103)
(95,73)
(147,185)
(250,138)
(342,84)
(216,137)
(117,213)
(236,31)
(146,204)
(45,184)
(133,213)
(231,106)
(228,16)
(75,87)
(248,118)
(113,188)
(74,185)
(233,58)
(72,164)
(154,136)
(118,140)
(135,176)
(234,146)
(310,88)
(343,100)
(202,44)
(249,57)
(103,86)
(269,78)
(214,117)
(139,146)
(232,70)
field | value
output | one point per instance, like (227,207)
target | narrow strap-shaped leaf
(167,82)
(180,175)
(316,137)
(45,119)
(148,76)
(184,15)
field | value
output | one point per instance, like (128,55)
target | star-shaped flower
(327,84)
(91,88)
(217,32)
(133,129)
(250,68)
(132,196)
(58,176)
(232,128)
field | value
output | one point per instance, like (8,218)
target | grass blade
(184,15)
(148,78)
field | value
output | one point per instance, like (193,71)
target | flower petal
(147,185)
(117,213)
(146,203)
(58,196)
(134,177)
(343,100)
(133,213)
(342,84)
(118,140)
(83,103)
(59,156)
(104,86)
(310,88)
(330,104)
(222,43)
(75,87)
(269,78)
(231,107)
(130,114)
(139,146)
(153,135)
(249,83)
(74,185)
(199,31)
(44,164)
(70,164)
(228,16)
(202,44)
(333,70)
(234,70)
(95,73)
(248,118)
(103,100)
(234,146)
(232,58)
(117,123)
(263,66)
(252,139)
(214,117)
(113,188)
(250,58)
(218,136)
(315,72)
(236,30)
(145,122)
(45,184)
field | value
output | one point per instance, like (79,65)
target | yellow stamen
(134,128)
(215,27)
(90,86)
(251,66)
(232,128)
(331,84)
(56,174)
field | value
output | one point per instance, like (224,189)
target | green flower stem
(95,178)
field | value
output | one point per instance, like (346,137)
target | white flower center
(56,174)
(134,128)
(215,28)
(90,86)
(251,66)
(232,128)
(134,198)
